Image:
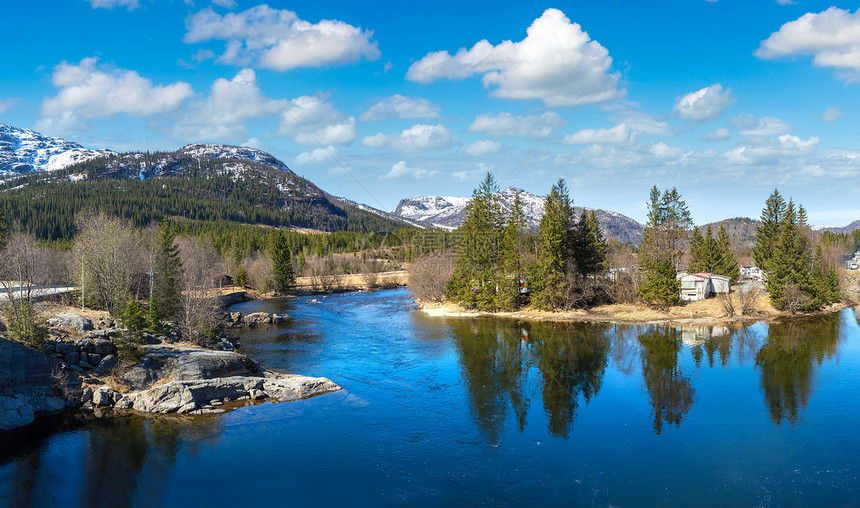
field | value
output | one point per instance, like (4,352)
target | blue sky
(376,102)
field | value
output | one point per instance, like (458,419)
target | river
(484,412)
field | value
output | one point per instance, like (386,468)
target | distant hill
(46,182)
(448,212)
(850,228)
(742,231)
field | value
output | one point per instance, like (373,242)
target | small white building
(699,286)
(752,273)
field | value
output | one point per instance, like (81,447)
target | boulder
(72,358)
(71,320)
(107,364)
(105,396)
(188,396)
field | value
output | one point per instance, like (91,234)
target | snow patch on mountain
(448,212)
(26,151)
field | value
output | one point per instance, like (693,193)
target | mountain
(742,231)
(850,228)
(24,151)
(48,181)
(448,212)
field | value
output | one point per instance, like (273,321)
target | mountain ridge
(448,212)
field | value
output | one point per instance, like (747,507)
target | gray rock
(105,396)
(107,364)
(70,320)
(84,357)
(65,347)
(258,394)
(94,359)
(72,358)
(76,368)
(86,395)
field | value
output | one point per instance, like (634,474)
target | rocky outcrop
(73,321)
(196,397)
(190,381)
(186,364)
(238,319)
(32,383)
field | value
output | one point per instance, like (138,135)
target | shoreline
(624,314)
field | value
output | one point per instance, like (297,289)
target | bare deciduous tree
(107,250)
(23,267)
(429,276)
(201,313)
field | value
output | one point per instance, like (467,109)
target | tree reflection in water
(495,366)
(124,461)
(787,362)
(497,355)
(670,392)
(572,361)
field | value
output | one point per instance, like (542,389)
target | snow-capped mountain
(448,212)
(24,151)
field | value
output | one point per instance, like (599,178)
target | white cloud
(229,4)
(621,134)
(557,62)
(717,135)
(223,113)
(482,147)
(766,126)
(313,121)
(704,105)
(831,36)
(88,91)
(506,124)
(401,169)
(831,114)
(7,104)
(771,150)
(418,138)
(279,40)
(398,106)
(786,2)
(317,156)
(110,4)
(641,122)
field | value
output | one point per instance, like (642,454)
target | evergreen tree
(3,230)
(555,236)
(726,262)
(133,321)
(477,273)
(698,253)
(589,248)
(283,276)
(165,303)
(512,248)
(665,232)
(769,231)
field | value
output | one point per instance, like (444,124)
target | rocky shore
(78,367)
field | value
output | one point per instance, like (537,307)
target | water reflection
(788,362)
(669,390)
(120,461)
(495,363)
(497,356)
(572,361)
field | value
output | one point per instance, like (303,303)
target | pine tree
(512,262)
(165,303)
(726,263)
(589,249)
(772,217)
(477,270)
(665,232)
(283,277)
(555,237)
(697,252)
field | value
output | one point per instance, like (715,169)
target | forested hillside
(207,183)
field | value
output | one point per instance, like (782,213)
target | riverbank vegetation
(498,266)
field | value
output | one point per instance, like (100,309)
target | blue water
(461,411)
